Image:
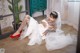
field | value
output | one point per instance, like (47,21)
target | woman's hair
(54,14)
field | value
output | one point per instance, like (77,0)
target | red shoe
(16,36)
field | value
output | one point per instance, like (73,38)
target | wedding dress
(54,40)
(57,40)
(33,32)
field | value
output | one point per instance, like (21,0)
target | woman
(53,35)
(49,29)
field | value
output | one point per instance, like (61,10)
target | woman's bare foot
(16,33)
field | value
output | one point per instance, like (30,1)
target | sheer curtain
(56,5)
(73,14)
(69,11)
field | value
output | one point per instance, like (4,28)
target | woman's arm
(50,28)
(43,22)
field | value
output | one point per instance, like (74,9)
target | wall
(7,21)
(69,12)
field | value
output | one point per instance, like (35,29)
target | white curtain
(69,11)
(56,5)
(73,14)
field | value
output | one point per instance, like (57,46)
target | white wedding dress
(33,32)
(54,40)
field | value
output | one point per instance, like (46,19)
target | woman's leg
(24,22)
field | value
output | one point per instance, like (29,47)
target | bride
(49,30)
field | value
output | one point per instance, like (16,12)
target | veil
(58,23)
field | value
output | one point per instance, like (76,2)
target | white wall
(37,14)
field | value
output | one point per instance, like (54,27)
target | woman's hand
(44,33)
(52,28)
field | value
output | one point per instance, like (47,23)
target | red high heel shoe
(16,36)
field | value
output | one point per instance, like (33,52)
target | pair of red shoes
(15,36)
